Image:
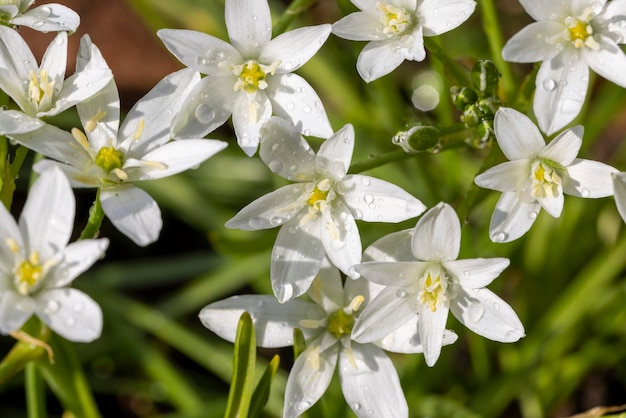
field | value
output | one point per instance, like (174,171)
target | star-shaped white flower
(396,30)
(368,379)
(423,278)
(42,91)
(51,17)
(570,36)
(112,157)
(318,213)
(252,78)
(37,264)
(537,175)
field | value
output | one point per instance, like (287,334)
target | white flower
(43,91)
(368,379)
(537,175)
(569,37)
(111,157)
(51,17)
(37,264)
(424,279)
(252,78)
(318,213)
(396,30)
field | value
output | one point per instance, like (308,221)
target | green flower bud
(484,133)
(471,116)
(485,76)
(462,96)
(417,138)
(489,106)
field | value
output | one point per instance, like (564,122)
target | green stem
(457,74)
(295,8)
(494,39)
(4,169)
(96,215)
(35,392)
(24,352)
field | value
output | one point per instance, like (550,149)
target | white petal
(564,148)
(517,136)
(16,64)
(432,327)
(374,200)
(327,288)
(308,380)
(561,87)
(440,16)
(273,322)
(295,100)
(78,178)
(619,187)
(294,48)
(50,17)
(486,314)
(77,257)
(512,218)
(270,210)
(70,313)
(372,386)
(250,112)
(249,26)
(335,154)
(344,249)
(377,59)
(200,51)
(8,229)
(398,274)
(392,247)
(133,212)
(175,157)
(437,235)
(55,58)
(534,43)
(589,179)
(16,122)
(285,152)
(388,311)
(545,9)
(296,259)
(614,14)
(47,219)
(476,272)
(360,26)
(406,339)
(553,204)
(504,177)
(15,310)
(609,61)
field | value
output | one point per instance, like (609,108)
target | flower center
(395,19)
(252,75)
(40,89)
(109,159)
(434,284)
(318,196)
(340,323)
(580,29)
(545,180)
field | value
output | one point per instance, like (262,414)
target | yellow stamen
(395,19)
(433,289)
(139,130)
(109,159)
(12,244)
(93,122)
(28,339)
(81,138)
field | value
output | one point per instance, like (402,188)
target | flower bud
(471,116)
(462,96)
(485,76)
(417,138)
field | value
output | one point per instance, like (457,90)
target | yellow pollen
(545,180)
(40,89)
(579,31)
(93,122)
(317,196)
(394,18)
(252,76)
(433,292)
(109,159)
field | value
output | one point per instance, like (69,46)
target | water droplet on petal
(256,223)
(259,303)
(584,192)
(44,12)
(52,307)
(475,312)
(302,406)
(204,113)
(365,181)
(496,306)
(466,273)
(499,237)
(38,24)
(532,215)
(307,109)
(70,322)
(401,293)
(291,106)
(356,406)
(549,84)
(276,166)
(368,198)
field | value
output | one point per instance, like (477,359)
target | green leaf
(243,369)
(299,343)
(262,392)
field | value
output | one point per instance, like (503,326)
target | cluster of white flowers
(394,296)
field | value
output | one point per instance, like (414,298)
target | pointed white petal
(16,64)
(77,257)
(440,16)
(360,26)
(372,386)
(504,177)
(70,313)
(16,122)
(327,288)
(512,217)
(545,9)
(564,148)
(388,311)
(377,59)
(486,314)
(175,157)
(8,229)
(374,200)
(614,14)
(619,187)
(392,247)
(133,212)
(271,210)
(561,87)
(406,339)
(15,310)
(517,136)
(432,327)
(534,42)
(589,179)
(78,178)
(553,204)
(437,235)
(273,322)
(250,112)
(403,274)
(249,26)
(55,58)
(50,17)
(335,154)
(294,48)
(295,100)
(285,152)
(202,52)
(47,219)
(296,259)
(309,379)
(476,272)
(609,61)
(341,239)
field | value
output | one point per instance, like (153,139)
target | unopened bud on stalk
(485,76)
(417,138)
(462,97)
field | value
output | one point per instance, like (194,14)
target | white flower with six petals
(51,17)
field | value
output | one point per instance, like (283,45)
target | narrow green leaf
(35,392)
(243,374)
(299,344)
(262,392)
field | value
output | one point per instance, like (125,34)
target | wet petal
(476,272)
(512,217)
(440,16)
(294,48)
(249,26)
(590,179)
(437,235)
(517,136)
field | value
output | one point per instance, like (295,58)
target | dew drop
(52,307)
(401,293)
(365,181)
(292,229)
(584,192)
(255,17)
(496,306)
(466,273)
(622,23)
(368,198)
(200,60)
(204,113)
(307,109)
(275,147)
(291,106)
(256,223)
(532,215)
(356,406)
(275,220)
(563,83)
(372,206)
(476,312)
(549,84)
(306,132)
(44,12)
(499,237)
(285,292)
(259,303)
(301,406)
(276,166)
(38,24)
(293,167)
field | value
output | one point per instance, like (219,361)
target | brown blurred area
(136,56)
